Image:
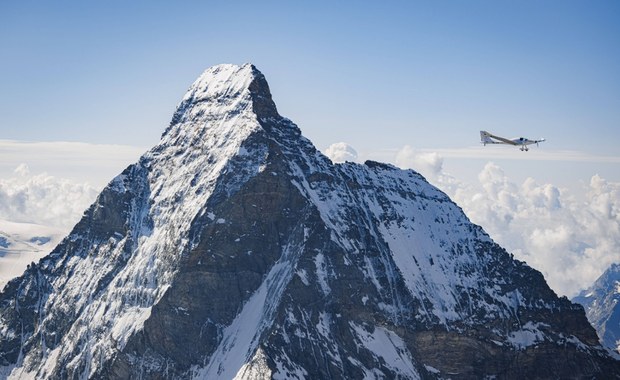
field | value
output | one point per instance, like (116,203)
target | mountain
(22,244)
(602,309)
(235,249)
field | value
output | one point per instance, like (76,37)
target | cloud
(341,152)
(80,162)
(429,164)
(571,239)
(545,153)
(43,199)
(500,153)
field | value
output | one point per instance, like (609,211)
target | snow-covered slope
(601,302)
(22,244)
(235,249)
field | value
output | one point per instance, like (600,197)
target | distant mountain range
(22,244)
(601,302)
(235,249)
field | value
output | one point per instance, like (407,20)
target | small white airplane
(487,138)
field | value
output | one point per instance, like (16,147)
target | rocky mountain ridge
(235,249)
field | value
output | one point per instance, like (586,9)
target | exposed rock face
(602,307)
(234,249)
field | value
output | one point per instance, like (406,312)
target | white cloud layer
(570,240)
(80,162)
(341,152)
(43,199)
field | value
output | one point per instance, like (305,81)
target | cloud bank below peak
(43,199)
(571,239)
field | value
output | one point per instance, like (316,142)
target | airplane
(487,138)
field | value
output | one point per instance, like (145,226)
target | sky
(86,87)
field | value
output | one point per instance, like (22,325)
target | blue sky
(409,82)
(373,74)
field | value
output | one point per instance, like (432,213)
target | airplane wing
(502,139)
(487,138)
(530,142)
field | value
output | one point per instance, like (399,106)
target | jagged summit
(223,90)
(235,249)
(222,81)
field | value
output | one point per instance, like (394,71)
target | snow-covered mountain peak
(235,249)
(223,94)
(225,80)
(606,283)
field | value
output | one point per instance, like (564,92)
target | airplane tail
(485,138)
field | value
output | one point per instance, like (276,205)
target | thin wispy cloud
(95,163)
(63,151)
(533,154)
(509,153)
